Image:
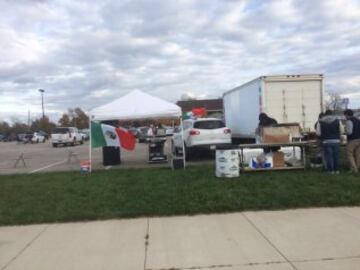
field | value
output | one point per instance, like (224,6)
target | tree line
(74,117)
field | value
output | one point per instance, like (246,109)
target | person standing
(266,121)
(353,140)
(329,130)
(151,131)
(321,115)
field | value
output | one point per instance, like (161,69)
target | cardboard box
(282,133)
(278,159)
(293,128)
(279,138)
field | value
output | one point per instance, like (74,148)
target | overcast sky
(85,53)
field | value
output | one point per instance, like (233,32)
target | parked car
(27,138)
(202,133)
(85,133)
(66,136)
(134,131)
(38,137)
(20,137)
(43,133)
(169,131)
(9,137)
(143,134)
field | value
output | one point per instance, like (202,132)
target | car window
(60,130)
(144,130)
(210,124)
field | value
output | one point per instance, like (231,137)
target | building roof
(208,104)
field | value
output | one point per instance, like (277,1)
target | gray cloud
(85,53)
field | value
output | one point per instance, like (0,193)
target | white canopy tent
(135,105)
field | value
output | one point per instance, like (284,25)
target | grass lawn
(69,196)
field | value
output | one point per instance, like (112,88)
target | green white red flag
(106,135)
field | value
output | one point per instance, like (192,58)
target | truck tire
(54,145)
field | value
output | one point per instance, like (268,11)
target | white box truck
(287,98)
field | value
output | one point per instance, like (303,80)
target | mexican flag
(105,135)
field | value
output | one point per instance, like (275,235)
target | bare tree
(334,102)
(65,120)
(74,117)
(43,124)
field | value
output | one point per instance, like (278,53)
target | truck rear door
(295,101)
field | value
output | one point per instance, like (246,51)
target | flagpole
(183,143)
(90,161)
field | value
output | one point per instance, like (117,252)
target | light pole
(42,102)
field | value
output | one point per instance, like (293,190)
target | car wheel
(44,140)
(37,141)
(54,145)
(82,142)
(73,142)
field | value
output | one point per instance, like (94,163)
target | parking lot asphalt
(42,157)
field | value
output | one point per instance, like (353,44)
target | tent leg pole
(183,144)
(90,161)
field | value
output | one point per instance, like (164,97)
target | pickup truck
(66,136)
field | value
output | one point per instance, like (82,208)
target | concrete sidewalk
(327,238)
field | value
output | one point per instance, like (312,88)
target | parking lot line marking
(48,166)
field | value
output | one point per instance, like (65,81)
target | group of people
(156,130)
(329,130)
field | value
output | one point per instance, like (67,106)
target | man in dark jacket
(329,130)
(353,140)
(321,115)
(266,121)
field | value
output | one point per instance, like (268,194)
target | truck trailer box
(287,98)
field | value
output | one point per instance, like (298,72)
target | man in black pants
(353,140)
(329,130)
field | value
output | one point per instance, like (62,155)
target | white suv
(201,133)
(38,137)
(66,136)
